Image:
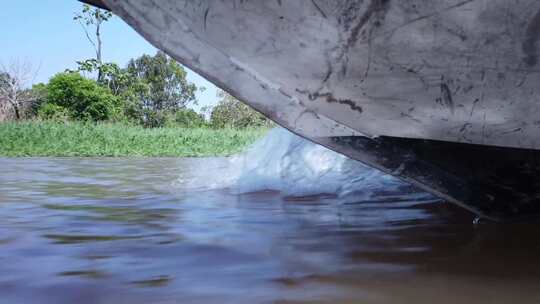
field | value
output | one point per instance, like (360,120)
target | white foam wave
(285,162)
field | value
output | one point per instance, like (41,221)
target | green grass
(78,139)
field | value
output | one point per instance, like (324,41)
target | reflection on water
(114,231)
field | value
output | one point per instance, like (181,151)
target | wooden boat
(444,94)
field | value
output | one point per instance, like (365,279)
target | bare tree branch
(15,85)
(85,29)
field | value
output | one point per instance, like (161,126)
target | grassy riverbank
(79,139)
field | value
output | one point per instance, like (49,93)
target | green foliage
(165,84)
(183,118)
(51,111)
(154,119)
(83,98)
(118,80)
(39,93)
(99,139)
(92,15)
(153,90)
(232,113)
(187,118)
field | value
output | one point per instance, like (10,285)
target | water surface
(126,231)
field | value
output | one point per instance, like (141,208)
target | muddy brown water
(118,231)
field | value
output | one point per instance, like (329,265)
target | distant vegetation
(101,100)
(152,91)
(105,139)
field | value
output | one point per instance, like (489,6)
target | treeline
(151,91)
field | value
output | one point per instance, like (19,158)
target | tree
(91,20)
(166,86)
(152,88)
(79,97)
(14,86)
(188,118)
(4,106)
(118,80)
(230,112)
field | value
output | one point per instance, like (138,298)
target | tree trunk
(16,109)
(98,48)
(17,114)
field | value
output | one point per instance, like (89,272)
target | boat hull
(452,70)
(399,77)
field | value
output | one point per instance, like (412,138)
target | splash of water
(285,162)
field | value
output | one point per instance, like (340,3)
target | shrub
(230,112)
(186,118)
(83,98)
(154,119)
(39,94)
(50,111)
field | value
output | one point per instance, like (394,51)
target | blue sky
(43,33)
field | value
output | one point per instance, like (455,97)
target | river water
(289,222)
